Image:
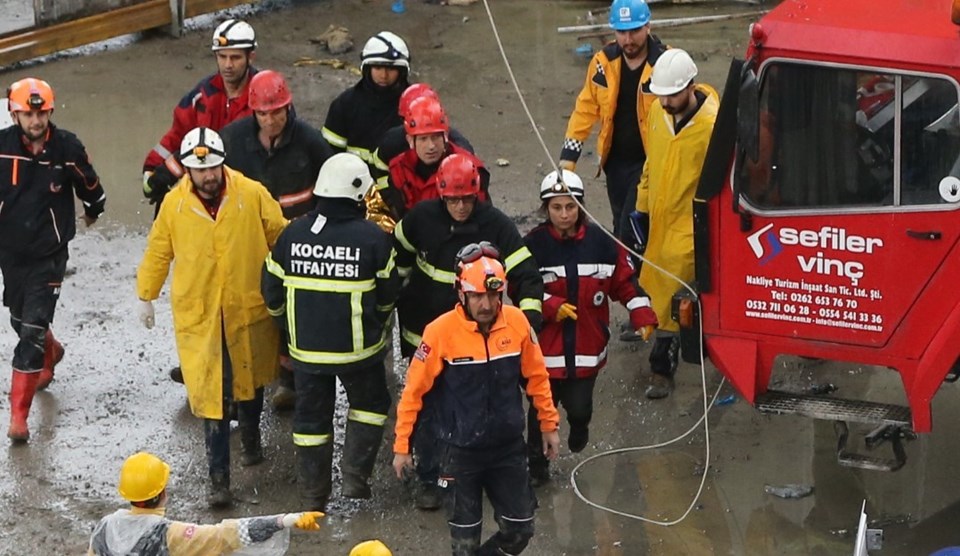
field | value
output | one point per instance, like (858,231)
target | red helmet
(30,94)
(269,91)
(425,116)
(458,176)
(412,93)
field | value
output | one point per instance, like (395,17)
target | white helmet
(202,147)
(344,176)
(552,187)
(234,33)
(385,49)
(673,71)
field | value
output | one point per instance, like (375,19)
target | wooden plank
(32,43)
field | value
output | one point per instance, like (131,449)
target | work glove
(567,165)
(640,226)
(146,314)
(158,183)
(644,320)
(567,311)
(303,520)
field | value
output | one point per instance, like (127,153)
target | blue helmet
(629,14)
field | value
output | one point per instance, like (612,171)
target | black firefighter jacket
(428,240)
(331,282)
(37,214)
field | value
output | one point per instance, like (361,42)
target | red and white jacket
(585,270)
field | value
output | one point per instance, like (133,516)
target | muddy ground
(112,398)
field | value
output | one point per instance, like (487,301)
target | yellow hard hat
(371,548)
(142,477)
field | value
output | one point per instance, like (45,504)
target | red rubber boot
(52,354)
(22,388)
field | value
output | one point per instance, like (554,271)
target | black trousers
(31,288)
(622,179)
(426,443)
(216,432)
(317,397)
(576,396)
(500,472)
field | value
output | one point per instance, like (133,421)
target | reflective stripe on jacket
(666,190)
(37,207)
(597,100)
(333,284)
(359,116)
(216,279)
(427,241)
(585,270)
(206,105)
(477,379)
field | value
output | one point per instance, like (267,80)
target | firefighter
(217,100)
(475,359)
(144,529)
(285,154)
(393,143)
(41,168)
(331,282)
(413,173)
(428,239)
(359,116)
(582,269)
(678,131)
(219,226)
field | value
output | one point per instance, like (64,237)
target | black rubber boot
(359,456)
(314,465)
(251,450)
(219,496)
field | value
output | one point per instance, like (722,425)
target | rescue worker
(476,358)
(331,282)
(582,269)
(394,142)
(217,100)
(285,154)
(144,529)
(413,173)
(617,94)
(218,225)
(371,548)
(359,116)
(42,167)
(678,132)
(428,239)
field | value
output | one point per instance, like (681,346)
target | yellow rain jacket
(216,279)
(666,190)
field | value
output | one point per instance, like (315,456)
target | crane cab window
(836,137)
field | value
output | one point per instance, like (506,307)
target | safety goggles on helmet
(385,49)
(473,251)
(483,274)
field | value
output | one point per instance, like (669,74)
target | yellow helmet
(142,477)
(371,548)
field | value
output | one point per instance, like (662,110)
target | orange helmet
(458,176)
(412,93)
(483,274)
(425,116)
(269,91)
(30,94)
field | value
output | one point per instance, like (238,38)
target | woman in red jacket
(582,268)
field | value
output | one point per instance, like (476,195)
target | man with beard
(41,168)
(218,225)
(216,101)
(359,116)
(678,132)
